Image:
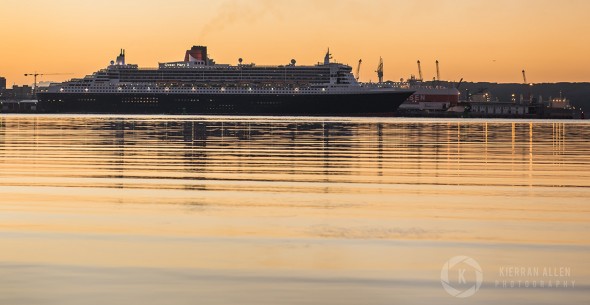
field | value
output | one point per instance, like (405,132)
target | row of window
(199,91)
(492,110)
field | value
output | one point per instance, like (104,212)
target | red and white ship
(430,96)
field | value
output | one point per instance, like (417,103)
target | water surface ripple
(239,210)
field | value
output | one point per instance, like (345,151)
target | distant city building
(562,103)
(2,88)
(482,96)
(18,93)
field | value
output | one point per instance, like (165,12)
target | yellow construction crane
(34,75)
(380,70)
(358,69)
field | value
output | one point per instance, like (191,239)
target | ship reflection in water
(232,210)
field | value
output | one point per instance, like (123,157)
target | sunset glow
(477,40)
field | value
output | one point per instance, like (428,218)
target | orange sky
(478,40)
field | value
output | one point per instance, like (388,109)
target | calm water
(233,210)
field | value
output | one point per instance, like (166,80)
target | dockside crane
(358,70)
(35,75)
(437,72)
(459,84)
(380,70)
(420,71)
(528,86)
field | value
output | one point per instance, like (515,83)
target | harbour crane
(380,70)
(529,86)
(420,71)
(358,69)
(35,75)
(459,84)
(437,72)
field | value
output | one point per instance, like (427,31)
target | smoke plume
(235,12)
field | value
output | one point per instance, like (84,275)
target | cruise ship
(198,85)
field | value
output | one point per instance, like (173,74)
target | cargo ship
(198,85)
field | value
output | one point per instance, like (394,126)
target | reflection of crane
(358,69)
(380,70)
(420,71)
(437,72)
(34,75)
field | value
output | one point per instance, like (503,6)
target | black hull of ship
(382,103)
